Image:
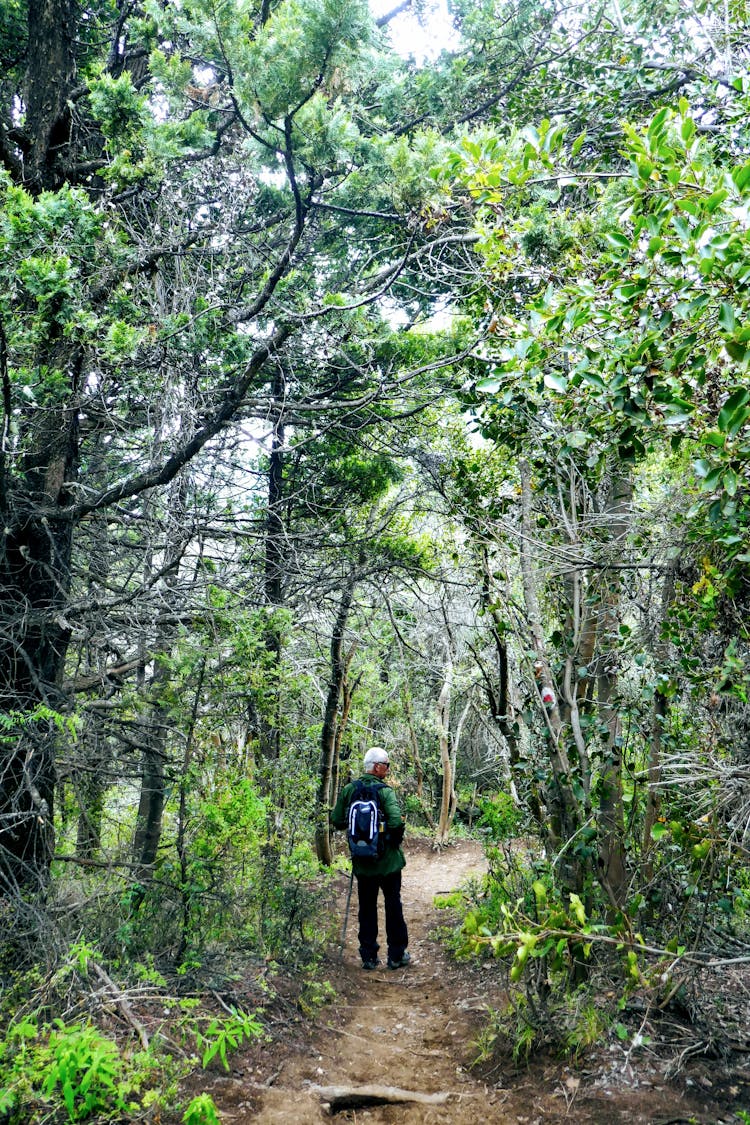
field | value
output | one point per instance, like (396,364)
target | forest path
(415,1029)
(406,1028)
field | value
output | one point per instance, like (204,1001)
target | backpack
(365,823)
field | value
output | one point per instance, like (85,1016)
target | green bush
(499,816)
(71,1066)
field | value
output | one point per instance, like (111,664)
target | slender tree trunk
(456,742)
(415,755)
(182,818)
(275,559)
(612,861)
(50,76)
(499,696)
(659,713)
(156,726)
(35,555)
(151,803)
(90,792)
(348,692)
(330,725)
(564,813)
(581,630)
(443,708)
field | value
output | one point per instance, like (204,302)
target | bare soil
(415,1030)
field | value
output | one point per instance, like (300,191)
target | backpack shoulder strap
(363,791)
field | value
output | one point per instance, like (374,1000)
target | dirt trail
(414,1029)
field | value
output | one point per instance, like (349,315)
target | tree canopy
(353,399)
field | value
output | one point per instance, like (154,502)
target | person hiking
(381,872)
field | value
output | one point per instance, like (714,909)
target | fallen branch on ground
(350,1097)
(124,1007)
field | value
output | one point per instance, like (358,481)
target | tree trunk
(90,790)
(660,710)
(612,862)
(49,79)
(564,813)
(443,708)
(151,802)
(182,817)
(581,633)
(275,555)
(34,635)
(499,693)
(157,722)
(330,726)
(348,691)
(415,755)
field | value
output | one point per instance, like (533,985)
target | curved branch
(164,473)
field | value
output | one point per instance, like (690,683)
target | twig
(122,1004)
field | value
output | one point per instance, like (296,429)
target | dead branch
(122,1004)
(351,1097)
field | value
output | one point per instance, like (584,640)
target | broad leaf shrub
(69,1072)
(56,1070)
(500,818)
(571,967)
(246,884)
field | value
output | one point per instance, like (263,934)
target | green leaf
(736,350)
(687,130)
(713,479)
(658,830)
(556,382)
(578,909)
(727,318)
(577,439)
(733,404)
(737,420)
(741,176)
(656,126)
(715,199)
(593,379)
(615,238)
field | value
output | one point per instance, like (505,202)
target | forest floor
(414,1032)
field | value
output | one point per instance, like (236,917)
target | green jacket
(392,858)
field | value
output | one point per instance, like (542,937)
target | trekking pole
(346,916)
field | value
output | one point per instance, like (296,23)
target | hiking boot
(370,965)
(399,962)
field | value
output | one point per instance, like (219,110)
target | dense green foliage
(350,400)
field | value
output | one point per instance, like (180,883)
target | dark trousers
(395,926)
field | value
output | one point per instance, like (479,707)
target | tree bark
(49,79)
(35,556)
(443,709)
(612,860)
(415,755)
(330,725)
(274,563)
(564,814)
(659,714)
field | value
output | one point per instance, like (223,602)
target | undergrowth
(117,1052)
(572,971)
